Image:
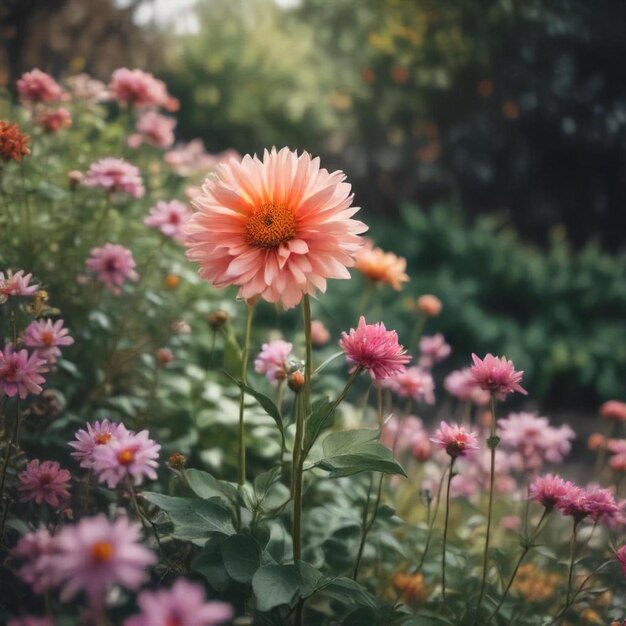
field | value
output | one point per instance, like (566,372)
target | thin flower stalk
(445,529)
(244,380)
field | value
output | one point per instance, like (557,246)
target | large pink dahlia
(277,227)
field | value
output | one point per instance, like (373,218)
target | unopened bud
(217,318)
(75,178)
(177,460)
(164,356)
(429,305)
(296,381)
(172,281)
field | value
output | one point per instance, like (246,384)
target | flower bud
(596,441)
(75,178)
(296,381)
(177,460)
(217,318)
(429,305)
(172,281)
(164,356)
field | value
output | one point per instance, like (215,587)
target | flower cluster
(115,176)
(273,360)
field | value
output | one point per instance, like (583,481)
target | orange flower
(412,586)
(278,228)
(381,267)
(429,305)
(13,143)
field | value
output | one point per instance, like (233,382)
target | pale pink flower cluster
(36,86)
(463,386)
(46,339)
(534,440)
(15,285)
(413,382)
(86,88)
(20,372)
(373,348)
(92,556)
(154,129)
(406,433)
(319,333)
(138,88)
(456,440)
(183,605)
(115,453)
(115,176)
(433,349)
(497,375)
(44,482)
(273,360)
(113,265)
(617,449)
(54,120)
(169,218)
(192,158)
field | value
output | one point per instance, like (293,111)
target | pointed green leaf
(242,557)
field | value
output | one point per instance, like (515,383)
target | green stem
(445,529)
(13,442)
(367,526)
(570,576)
(242,394)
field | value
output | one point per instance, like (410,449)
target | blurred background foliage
(504,122)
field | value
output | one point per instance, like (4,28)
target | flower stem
(244,379)
(12,443)
(367,525)
(445,529)
(570,576)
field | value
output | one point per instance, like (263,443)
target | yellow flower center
(47,337)
(270,225)
(126,457)
(103,438)
(102,551)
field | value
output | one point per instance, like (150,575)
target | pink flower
(138,88)
(192,158)
(84,87)
(413,382)
(548,490)
(55,120)
(433,350)
(319,333)
(276,228)
(46,338)
(375,349)
(496,374)
(169,218)
(455,440)
(618,463)
(17,284)
(37,86)
(127,454)
(44,482)
(620,555)
(20,372)
(115,176)
(182,605)
(114,265)
(96,554)
(406,434)
(97,434)
(511,522)
(273,360)
(462,385)
(614,410)
(154,129)
(31,552)
(601,505)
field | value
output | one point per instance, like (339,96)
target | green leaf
(329,360)
(277,585)
(207,486)
(242,557)
(322,417)
(193,519)
(264,481)
(210,564)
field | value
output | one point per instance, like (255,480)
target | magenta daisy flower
(20,372)
(183,605)
(44,482)
(115,176)
(46,338)
(273,360)
(433,349)
(127,454)
(113,265)
(455,440)
(169,218)
(548,490)
(497,374)
(375,349)
(95,555)
(96,434)
(413,382)
(16,284)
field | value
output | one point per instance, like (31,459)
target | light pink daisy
(183,605)
(16,284)
(433,349)
(113,265)
(46,338)
(319,333)
(169,218)
(375,349)
(462,385)
(277,228)
(620,555)
(548,490)
(138,88)
(54,120)
(95,555)
(30,555)
(154,129)
(20,372)
(413,382)
(37,86)
(455,440)
(115,176)
(44,482)
(497,374)
(127,454)
(96,434)
(273,360)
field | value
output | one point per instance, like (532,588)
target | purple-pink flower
(16,284)
(375,349)
(183,605)
(115,176)
(55,119)
(46,338)
(169,218)
(31,555)
(620,555)
(37,86)
(96,434)
(154,129)
(413,382)
(549,489)
(497,374)
(433,349)
(113,265)
(462,385)
(138,88)
(455,440)
(44,482)
(95,555)
(20,372)
(273,360)
(127,454)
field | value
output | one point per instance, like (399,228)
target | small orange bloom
(381,267)
(510,110)
(596,441)
(429,305)
(13,143)
(485,88)
(412,586)
(172,281)
(400,75)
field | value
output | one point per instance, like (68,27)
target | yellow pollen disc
(102,551)
(103,438)
(126,457)
(270,225)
